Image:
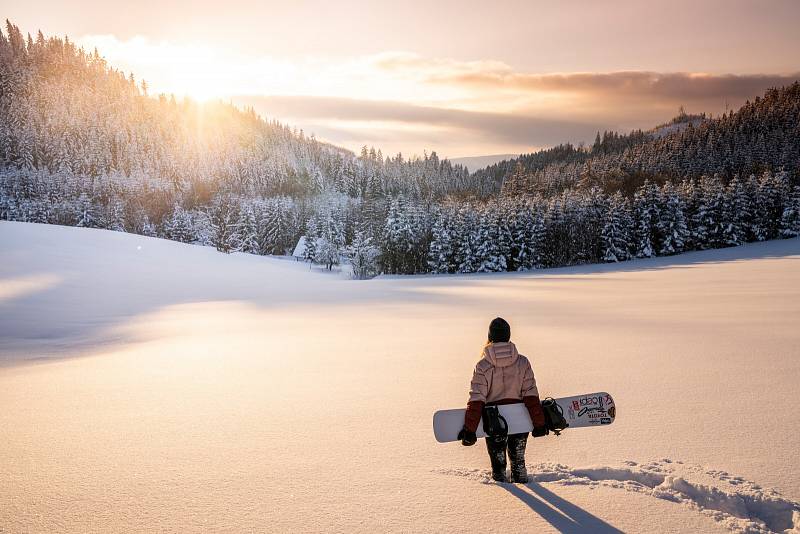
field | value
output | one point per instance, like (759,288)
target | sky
(461,78)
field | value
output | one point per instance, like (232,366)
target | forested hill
(63,110)
(81,144)
(763,135)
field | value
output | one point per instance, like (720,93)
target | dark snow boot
(519,478)
(497,455)
(516,451)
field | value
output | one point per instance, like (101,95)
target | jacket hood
(501,354)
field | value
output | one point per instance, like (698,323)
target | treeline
(580,226)
(404,235)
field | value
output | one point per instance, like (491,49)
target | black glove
(540,432)
(467,438)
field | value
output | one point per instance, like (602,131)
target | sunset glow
(465,85)
(538,72)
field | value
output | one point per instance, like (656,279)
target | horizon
(447,95)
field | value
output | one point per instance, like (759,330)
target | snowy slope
(179,389)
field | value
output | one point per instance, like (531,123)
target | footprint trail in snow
(738,504)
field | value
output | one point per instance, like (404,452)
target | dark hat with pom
(499,330)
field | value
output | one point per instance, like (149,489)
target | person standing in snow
(503,376)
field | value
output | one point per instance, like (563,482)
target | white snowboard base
(593,409)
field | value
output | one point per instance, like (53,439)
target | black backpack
(553,416)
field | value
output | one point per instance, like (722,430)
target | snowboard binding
(554,416)
(494,424)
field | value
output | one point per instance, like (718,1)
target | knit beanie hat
(499,330)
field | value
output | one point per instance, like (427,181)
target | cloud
(489,76)
(675,86)
(494,127)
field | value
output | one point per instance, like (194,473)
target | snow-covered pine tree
(247,230)
(276,222)
(707,221)
(759,211)
(776,193)
(467,244)
(114,215)
(522,237)
(490,257)
(616,234)
(440,252)
(538,236)
(86,212)
(737,216)
(363,256)
(331,242)
(178,225)
(202,229)
(503,219)
(223,217)
(672,222)
(790,220)
(645,213)
(147,228)
(592,218)
(394,243)
(310,240)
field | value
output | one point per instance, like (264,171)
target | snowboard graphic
(593,409)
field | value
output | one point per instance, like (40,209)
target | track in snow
(741,505)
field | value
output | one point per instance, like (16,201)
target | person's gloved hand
(539,432)
(467,438)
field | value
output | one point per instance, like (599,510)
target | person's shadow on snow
(560,513)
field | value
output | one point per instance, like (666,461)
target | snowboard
(593,409)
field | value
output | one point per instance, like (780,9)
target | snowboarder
(503,376)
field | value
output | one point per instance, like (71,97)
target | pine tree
(331,242)
(223,218)
(363,256)
(247,231)
(490,257)
(646,218)
(178,225)
(538,243)
(440,252)
(467,244)
(523,248)
(672,223)
(114,217)
(505,237)
(708,219)
(737,215)
(310,240)
(790,219)
(759,210)
(394,243)
(86,215)
(616,236)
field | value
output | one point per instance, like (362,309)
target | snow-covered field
(152,386)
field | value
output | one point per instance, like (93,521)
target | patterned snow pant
(515,445)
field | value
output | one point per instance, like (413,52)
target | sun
(196,70)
